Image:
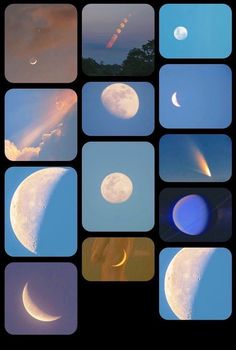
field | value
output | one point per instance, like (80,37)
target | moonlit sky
(36,115)
(204,92)
(178,164)
(58,230)
(219,203)
(135,159)
(209,30)
(213,298)
(47,32)
(52,286)
(99,22)
(97,121)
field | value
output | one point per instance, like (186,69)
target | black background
(110,312)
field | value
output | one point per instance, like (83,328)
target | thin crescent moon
(175,100)
(33,310)
(122,261)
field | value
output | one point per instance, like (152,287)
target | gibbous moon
(116,188)
(190,214)
(180,33)
(33,61)
(34,310)
(175,100)
(182,279)
(122,261)
(29,202)
(120,100)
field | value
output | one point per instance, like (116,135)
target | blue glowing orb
(191,215)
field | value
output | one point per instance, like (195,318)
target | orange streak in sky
(114,37)
(201,162)
(52,117)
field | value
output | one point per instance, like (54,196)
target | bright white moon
(182,279)
(116,188)
(33,310)
(33,61)
(29,202)
(120,100)
(180,33)
(174,100)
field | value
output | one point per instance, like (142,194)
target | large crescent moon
(120,100)
(182,279)
(29,202)
(34,310)
(122,261)
(175,100)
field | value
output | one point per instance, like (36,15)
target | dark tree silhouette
(138,62)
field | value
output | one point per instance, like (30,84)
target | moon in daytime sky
(116,188)
(120,100)
(33,310)
(183,277)
(180,33)
(29,202)
(175,100)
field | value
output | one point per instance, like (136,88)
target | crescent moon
(33,310)
(29,202)
(175,100)
(122,261)
(33,61)
(182,279)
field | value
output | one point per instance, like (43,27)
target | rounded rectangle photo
(195,283)
(118,186)
(40,298)
(195,96)
(118,259)
(195,215)
(195,31)
(118,39)
(118,109)
(40,124)
(41,43)
(195,158)
(40,211)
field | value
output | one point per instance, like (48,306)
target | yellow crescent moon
(34,310)
(122,261)
(175,100)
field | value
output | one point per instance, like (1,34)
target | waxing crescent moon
(121,100)
(33,310)
(33,61)
(116,188)
(182,279)
(175,100)
(29,202)
(122,261)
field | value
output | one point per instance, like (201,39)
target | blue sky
(178,157)
(204,92)
(52,287)
(97,121)
(135,159)
(99,22)
(58,230)
(209,30)
(43,120)
(216,281)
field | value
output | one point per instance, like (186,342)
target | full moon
(183,277)
(121,100)
(180,33)
(29,202)
(33,310)
(116,188)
